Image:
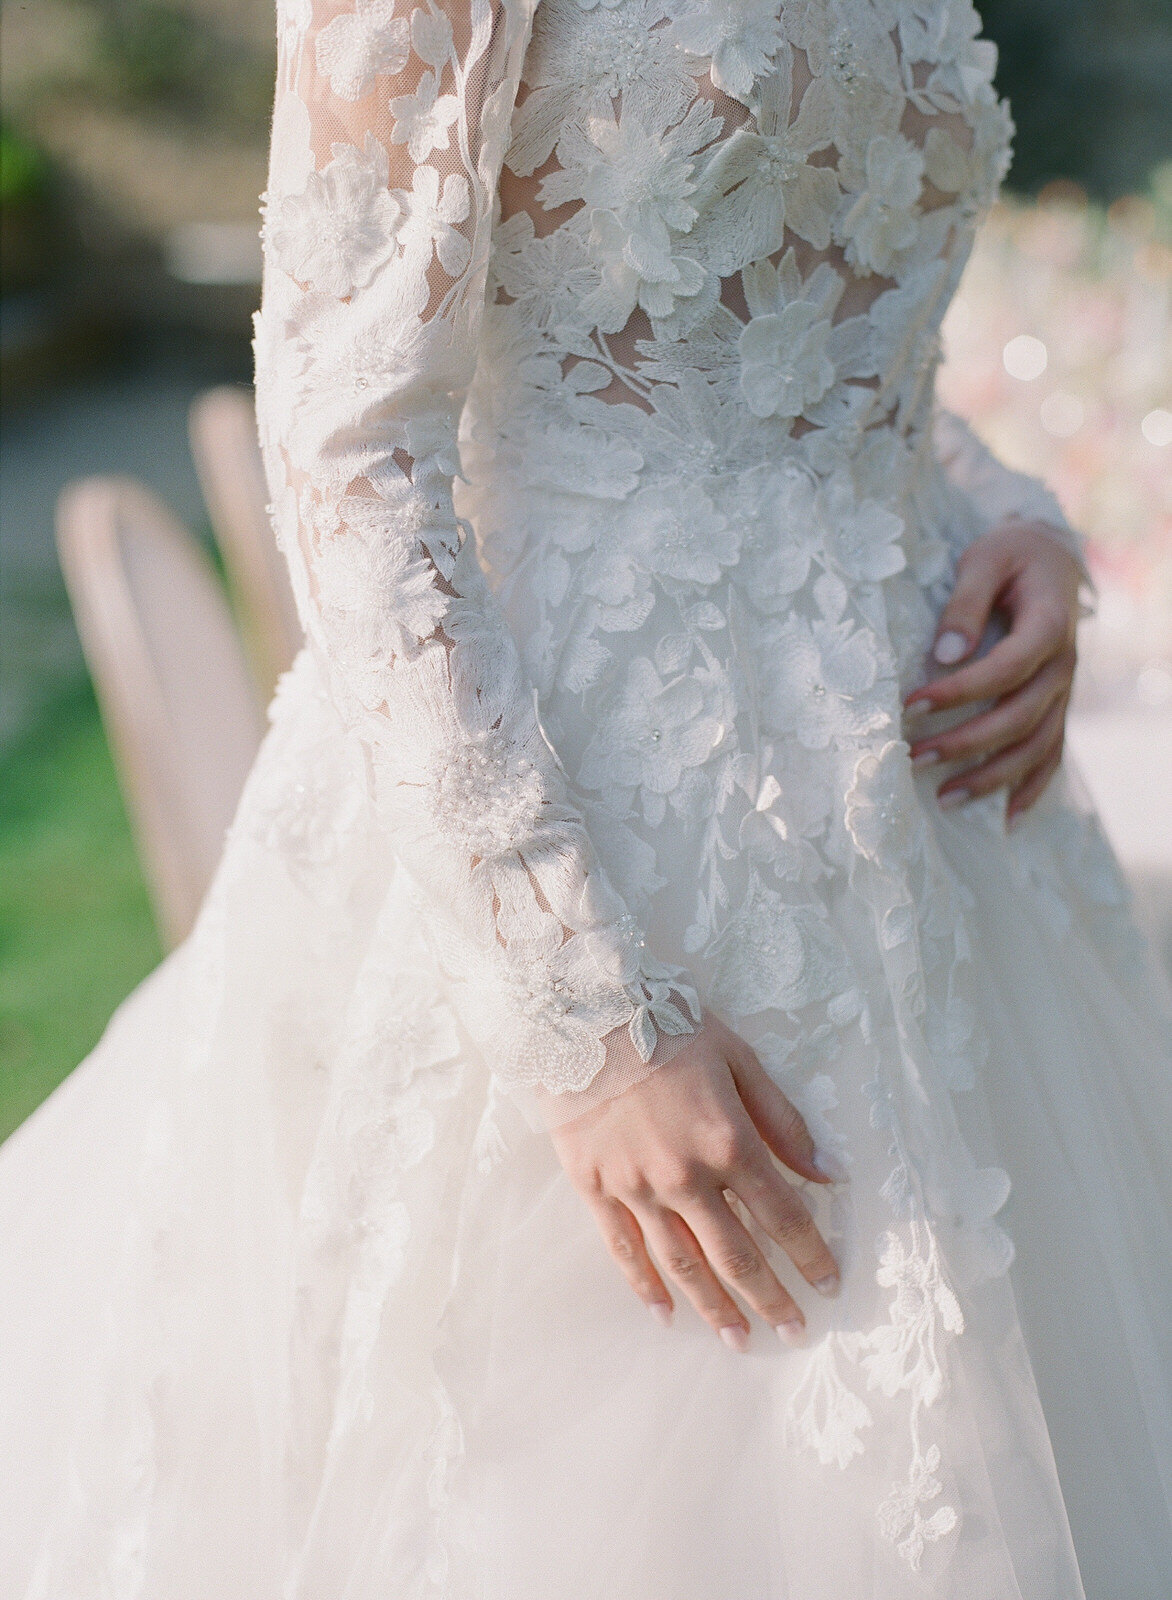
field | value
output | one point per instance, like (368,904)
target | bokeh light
(1156,427)
(1025,357)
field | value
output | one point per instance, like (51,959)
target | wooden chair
(222,429)
(179,703)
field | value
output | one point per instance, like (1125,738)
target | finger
(683,1260)
(1011,720)
(624,1239)
(730,1248)
(784,1216)
(776,1118)
(982,573)
(1031,789)
(1035,636)
(1008,766)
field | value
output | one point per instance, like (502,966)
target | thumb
(776,1118)
(982,573)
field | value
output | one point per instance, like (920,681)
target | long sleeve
(388,138)
(997,492)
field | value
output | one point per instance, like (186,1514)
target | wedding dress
(595,381)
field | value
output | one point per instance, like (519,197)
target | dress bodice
(776,196)
(727,235)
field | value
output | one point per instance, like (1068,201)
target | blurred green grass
(76,930)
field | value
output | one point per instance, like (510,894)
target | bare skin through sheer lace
(522,193)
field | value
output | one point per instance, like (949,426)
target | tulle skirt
(287,1319)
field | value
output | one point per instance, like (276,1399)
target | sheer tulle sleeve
(390,127)
(998,492)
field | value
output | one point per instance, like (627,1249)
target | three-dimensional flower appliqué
(740,38)
(784,362)
(488,794)
(882,813)
(636,180)
(819,681)
(788,348)
(760,182)
(342,227)
(863,536)
(879,216)
(677,533)
(649,734)
(356,47)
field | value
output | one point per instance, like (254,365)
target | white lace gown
(595,375)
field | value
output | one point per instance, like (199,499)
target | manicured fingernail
(926,758)
(791,1333)
(829,1285)
(736,1337)
(830,1167)
(916,708)
(661,1311)
(954,797)
(950,647)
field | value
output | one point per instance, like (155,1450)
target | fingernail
(954,797)
(661,1311)
(950,647)
(917,708)
(736,1337)
(830,1167)
(791,1333)
(829,1285)
(926,758)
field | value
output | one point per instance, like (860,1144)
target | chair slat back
(177,697)
(222,429)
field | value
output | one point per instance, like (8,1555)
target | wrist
(623,1069)
(1056,537)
